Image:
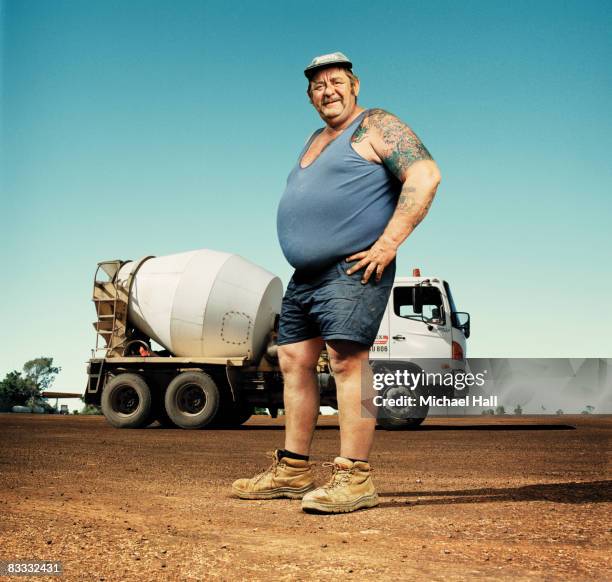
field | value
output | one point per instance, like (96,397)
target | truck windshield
(432,303)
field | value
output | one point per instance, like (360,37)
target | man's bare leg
(350,486)
(290,476)
(301,392)
(356,431)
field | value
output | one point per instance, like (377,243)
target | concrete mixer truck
(190,340)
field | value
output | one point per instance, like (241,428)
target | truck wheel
(401,417)
(126,401)
(192,400)
(399,423)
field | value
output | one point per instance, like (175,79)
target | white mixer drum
(204,303)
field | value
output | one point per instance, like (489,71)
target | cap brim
(310,71)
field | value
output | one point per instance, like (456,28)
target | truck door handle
(399,338)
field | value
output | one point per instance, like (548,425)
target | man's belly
(316,234)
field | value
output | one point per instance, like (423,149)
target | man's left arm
(402,152)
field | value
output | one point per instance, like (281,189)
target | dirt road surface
(520,498)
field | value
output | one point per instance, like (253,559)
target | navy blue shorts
(333,305)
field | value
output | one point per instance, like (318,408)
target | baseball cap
(338,59)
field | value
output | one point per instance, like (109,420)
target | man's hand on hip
(375,259)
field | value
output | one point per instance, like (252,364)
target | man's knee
(346,358)
(302,356)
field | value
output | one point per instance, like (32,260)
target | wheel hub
(191,399)
(125,400)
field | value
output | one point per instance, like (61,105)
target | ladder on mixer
(111,301)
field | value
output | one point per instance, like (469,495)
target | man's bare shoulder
(392,139)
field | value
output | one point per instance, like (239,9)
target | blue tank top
(337,206)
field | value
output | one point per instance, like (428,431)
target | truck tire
(192,400)
(400,423)
(126,401)
(407,417)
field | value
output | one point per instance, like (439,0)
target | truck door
(380,348)
(410,336)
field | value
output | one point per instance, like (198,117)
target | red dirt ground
(520,498)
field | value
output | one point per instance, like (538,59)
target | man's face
(332,95)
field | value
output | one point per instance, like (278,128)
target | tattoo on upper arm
(360,132)
(401,146)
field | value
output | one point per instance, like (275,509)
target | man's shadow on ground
(576,493)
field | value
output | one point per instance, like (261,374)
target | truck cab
(421,330)
(421,321)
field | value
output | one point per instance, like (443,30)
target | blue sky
(132,128)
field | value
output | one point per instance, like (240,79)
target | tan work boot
(290,478)
(349,488)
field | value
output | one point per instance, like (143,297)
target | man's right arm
(403,153)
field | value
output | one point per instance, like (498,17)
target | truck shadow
(571,492)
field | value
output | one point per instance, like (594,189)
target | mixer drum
(204,303)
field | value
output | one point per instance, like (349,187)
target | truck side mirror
(462,322)
(437,315)
(417,299)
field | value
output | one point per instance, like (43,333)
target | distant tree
(588,409)
(15,390)
(488,412)
(41,372)
(518,410)
(26,389)
(500,411)
(559,412)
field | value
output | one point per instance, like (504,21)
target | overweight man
(360,186)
